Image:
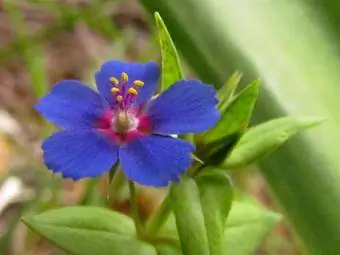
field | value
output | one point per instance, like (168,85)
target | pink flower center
(125,123)
(124,126)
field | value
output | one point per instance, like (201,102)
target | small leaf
(89,231)
(171,67)
(216,197)
(185,201)
(265,138)
(246,227)
(226,93)
(237,116)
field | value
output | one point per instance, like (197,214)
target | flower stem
(134,208)
(157,221)
(116,184)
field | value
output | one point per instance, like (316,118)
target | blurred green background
(292,45)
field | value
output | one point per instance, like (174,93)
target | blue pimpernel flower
(124,122)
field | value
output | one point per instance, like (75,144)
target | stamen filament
(120,86)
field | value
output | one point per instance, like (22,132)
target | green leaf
(89,231)
(226,93)
(237,116)
(246,227)
(216,197)
(185,201)
(265,138)
(166,249)
(171,67)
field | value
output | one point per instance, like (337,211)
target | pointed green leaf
(237,116)
(185,201)
(265,138)
(246,227)
(171,67)
(89,231)
(216,197)
(226,93)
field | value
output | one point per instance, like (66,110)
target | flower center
(124,122)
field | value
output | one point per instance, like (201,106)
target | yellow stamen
(133,91)
(114,81)
(138,83)
(119,98)
(114,90)
(124,77)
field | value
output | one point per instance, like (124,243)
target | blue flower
(124,122)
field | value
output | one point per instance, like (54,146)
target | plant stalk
(134,209)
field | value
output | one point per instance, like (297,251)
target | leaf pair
(209,223)
(200,207)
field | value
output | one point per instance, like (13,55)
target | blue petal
(147,72)
(72,104)
(79,154)
(186,107)
(155,160)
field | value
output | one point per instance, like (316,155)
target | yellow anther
(119,98)
(124,77)
(114,90)
(133,91)
(114,81)
(138,83)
